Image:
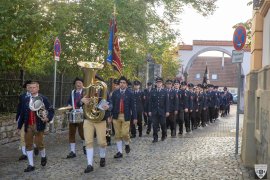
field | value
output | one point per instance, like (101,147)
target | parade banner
(114,54)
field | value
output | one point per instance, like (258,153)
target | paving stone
(206,153)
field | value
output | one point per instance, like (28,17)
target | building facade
(256,131)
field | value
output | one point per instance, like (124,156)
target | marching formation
(122,113)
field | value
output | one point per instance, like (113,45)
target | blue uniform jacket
(173,100)
(204,102)
(23,119)
(129,107)
(146,99)
(19,107)
(182,99)
(212,99)
(139,101)
(158,102)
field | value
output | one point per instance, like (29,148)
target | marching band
(161,106)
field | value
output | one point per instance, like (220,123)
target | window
(198,76)
(214,77)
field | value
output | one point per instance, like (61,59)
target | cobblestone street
(206,153)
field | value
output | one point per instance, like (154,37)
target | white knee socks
(30,157)
(119,146)
(43,153)
(24,150)
(72,147)
(102,152)
(90,154)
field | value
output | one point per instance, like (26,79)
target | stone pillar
(257,41)
(248,149)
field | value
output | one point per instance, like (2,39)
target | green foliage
(28,29)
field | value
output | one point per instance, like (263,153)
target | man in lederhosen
(34,125)
(173,108)
(147,118)
(92,127)
(24,95)
(75,102)
(138,103)
(122,111)
(159,109)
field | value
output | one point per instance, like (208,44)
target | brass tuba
(92,90)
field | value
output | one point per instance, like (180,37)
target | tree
(28,29)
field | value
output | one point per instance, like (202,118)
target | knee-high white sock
(24,150)
(127,143)
(43,153)
(30,157)
(119,146)
(102,152)
(72,147)
(90,154)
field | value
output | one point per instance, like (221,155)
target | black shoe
(43,161)
(102,162)
(22,157)
(140,134)
(147,132)
(108,143)
(163,138)
(36,151)
(84,150)
(71,155)
(154,141)
(127,149)
(29,168)
(118,155)
(89,169)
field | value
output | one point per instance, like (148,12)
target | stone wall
(8,127)
(256,135)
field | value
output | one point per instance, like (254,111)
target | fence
(11,88)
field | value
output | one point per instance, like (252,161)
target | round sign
(57,47)
(239,38)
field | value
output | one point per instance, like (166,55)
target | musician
(75,102)
(34,124)
(122,111)
(91,127)
(19,108)
(159,109)
(138,103)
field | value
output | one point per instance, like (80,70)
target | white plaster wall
(266,40)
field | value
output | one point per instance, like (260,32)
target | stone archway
(207,49)
(189,53)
